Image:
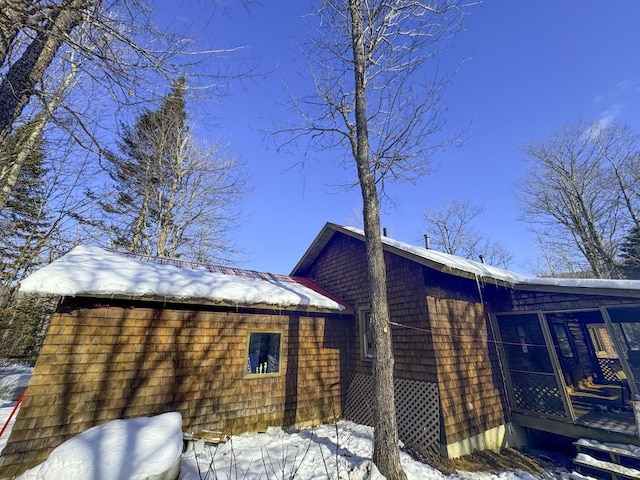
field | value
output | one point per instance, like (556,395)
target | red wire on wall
(13,412)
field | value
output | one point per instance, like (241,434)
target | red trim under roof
(317,288)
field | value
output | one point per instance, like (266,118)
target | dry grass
(508,459)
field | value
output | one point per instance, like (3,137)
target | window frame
(363,313)
(602,346)
(246,354)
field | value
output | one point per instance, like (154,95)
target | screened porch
(573,372)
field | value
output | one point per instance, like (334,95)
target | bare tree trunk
(10,172)
(18,85)
(386,453)
(13,15)
(136,244)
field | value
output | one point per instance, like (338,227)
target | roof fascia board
(594,291)
(205,302)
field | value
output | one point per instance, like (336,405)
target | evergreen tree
(142,172)
(169,196)
(24,233)
(24,223)
(631,254)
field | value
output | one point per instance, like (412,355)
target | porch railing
(537,392)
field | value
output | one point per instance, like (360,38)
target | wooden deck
(603,426)
(621,422)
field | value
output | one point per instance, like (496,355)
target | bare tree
(37,225)
(619,148)
(10,168)
(557,257)
(377,102)
(573,195)
(117,53)
(452,231)
(14,14)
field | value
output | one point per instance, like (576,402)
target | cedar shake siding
(471,389)
(104,361)
(472,393)
(444,338)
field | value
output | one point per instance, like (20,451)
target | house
(232,350)
(483,356)
(508,354)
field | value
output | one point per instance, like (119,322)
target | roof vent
(427,241)
(482,258)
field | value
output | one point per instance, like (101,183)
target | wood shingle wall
(471,388)
(106,362)
(342,270)
(441,337)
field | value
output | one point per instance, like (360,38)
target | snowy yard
(336,451)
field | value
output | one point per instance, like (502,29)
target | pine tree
(631,254)
(172,196)
(24,222)
(141,173)
(24,233)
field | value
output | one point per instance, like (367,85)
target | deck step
(595,398)
(607,460)
(587,465)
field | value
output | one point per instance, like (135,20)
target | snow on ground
(136,448)
(13,381)
(334,451)
(330,451)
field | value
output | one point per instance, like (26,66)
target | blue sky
(532,67)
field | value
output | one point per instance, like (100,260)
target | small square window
(263,354)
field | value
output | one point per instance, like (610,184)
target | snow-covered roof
(465,267)
(92,271)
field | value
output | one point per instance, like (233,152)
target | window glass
(263,353)
(563,340)
(366,333)
(524,338)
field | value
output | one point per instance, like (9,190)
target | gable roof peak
(464,267)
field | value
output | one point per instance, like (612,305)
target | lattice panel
(609,367)
(359,406)
(538,393)
(418,415)
(417,410)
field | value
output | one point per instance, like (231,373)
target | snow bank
(94,271)
(13,381)
(137,448)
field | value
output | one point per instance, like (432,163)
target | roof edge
(209,303)
(312,252)
(518,282)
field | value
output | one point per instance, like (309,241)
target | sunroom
(573,372)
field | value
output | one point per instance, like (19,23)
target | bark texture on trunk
(13,15)
(386,454)
(18,85)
